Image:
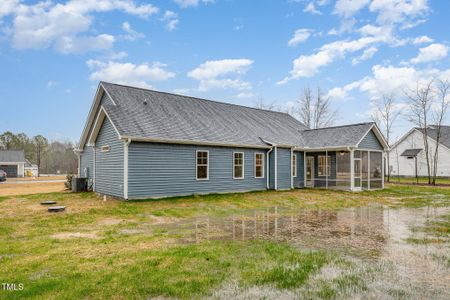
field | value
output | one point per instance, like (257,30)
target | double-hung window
(238,165)
(259,165)
(202,165)
(294,165)
(324,165)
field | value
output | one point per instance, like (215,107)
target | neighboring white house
(12,162)
(31,170)
(409,151)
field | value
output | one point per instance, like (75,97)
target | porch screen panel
(375,170)
(364,169)
(343,170)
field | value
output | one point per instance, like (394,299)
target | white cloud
(348,8)
(431,53)
(309,65)
(48,24)
(8,7)
(191,3)
(82,44)
(245,95)
(171,20)
(422,40)
(51,84)
(128,73)
(342,93)
(300,35)
(367,54)
(311,8)
(391,79)
(399,11)
(131,33)
(216,74)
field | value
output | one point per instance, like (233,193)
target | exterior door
(357,174)
(310,171)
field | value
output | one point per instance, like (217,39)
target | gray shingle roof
(445,135)
(346,135)
(175,117)
(12,156)
(411,152)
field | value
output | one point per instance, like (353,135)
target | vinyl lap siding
(87,163)
(160,170)
(87,156)
(109,165)
(370,141)
(284,168)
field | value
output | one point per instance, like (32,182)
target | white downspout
(383,168)
(125,169)
(352,170)
(93,171)
(276,168)
(268,168)
(326,169)
(292,168)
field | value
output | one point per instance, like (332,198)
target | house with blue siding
(139,143)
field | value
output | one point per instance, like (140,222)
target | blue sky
(53,53)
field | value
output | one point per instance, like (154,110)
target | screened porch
(353,170)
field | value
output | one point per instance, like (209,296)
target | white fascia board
(190,142)
(91,116)
(102,114)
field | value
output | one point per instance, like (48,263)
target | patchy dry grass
(14,189)
(113,249)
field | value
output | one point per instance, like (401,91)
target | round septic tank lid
(56,208)
(48,202)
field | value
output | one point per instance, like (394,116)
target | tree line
(50,157)
(427,105)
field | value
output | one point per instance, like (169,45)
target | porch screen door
(357,174)
(310,171)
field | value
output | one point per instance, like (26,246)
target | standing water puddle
(370,233)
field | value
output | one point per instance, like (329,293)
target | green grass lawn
(99,250)
(421,180)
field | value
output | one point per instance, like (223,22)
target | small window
(324,165)
(259,165)
(238,165)
(202,165)
(105,148)
(294,165)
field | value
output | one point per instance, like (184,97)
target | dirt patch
(109,221)
(69,235)
(156,220)
(13,189)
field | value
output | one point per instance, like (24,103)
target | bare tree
(421,100)
(261,104)
(41,144)
(439,114)
(315,111)
(385,114)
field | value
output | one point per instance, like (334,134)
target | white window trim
(262,164)
(243,165)
(327,161)
(294,165)
(197,165)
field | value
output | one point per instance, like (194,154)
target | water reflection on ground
(369,233)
